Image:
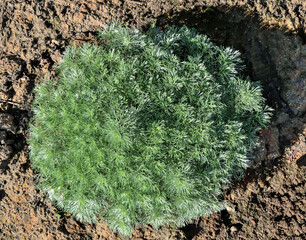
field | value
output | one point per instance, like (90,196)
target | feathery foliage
(146,128)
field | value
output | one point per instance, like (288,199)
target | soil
(268,203)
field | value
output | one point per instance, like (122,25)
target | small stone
(229,209)
(233,229)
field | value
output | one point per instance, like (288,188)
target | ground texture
(269,202)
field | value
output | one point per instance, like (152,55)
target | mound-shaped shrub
(146,128)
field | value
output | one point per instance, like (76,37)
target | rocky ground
(269,202)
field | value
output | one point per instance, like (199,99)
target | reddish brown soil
(269,202)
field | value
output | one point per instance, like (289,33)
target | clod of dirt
(7,122)
(5,154)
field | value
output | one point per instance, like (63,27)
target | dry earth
(269,202)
